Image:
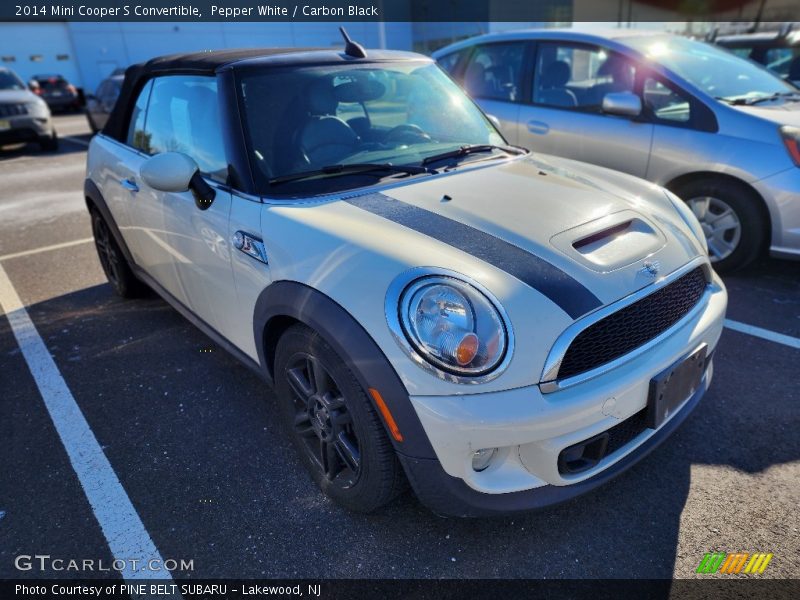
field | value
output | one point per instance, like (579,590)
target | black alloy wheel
(322,420)
(115,266)
(333,423)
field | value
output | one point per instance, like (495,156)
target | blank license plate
(671,387)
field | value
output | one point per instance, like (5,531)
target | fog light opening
(483,458)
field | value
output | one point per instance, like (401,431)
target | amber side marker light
(393,428)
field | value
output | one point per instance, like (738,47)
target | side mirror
(625,104)
(177,172)
(495,121)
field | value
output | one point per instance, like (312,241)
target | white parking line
(46,249)
(75,141)
(123,529)
(765,334)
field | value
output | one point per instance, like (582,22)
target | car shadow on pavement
(31,149)
(195,441)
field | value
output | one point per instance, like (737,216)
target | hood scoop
(611,242)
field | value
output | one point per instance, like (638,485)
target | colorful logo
(740,562)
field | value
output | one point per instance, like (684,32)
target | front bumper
(531,428)
(25,129)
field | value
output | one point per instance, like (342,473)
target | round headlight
(453,325)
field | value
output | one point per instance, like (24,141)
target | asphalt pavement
(194,440)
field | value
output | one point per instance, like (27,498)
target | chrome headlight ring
(468,315)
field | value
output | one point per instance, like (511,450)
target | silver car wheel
(720,223)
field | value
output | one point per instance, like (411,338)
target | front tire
(115,266)
(731,218)
(333,424)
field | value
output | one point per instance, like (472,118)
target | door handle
(130,185)
(538,127)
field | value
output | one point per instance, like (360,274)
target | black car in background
(59,93)
(779,51)
(99,105)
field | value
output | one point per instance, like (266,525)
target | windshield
(718,72)
(304,120)
(9,81)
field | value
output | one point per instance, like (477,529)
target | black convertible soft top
(200,63)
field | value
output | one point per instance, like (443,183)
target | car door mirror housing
(625,104)
(494,120)
(177,172)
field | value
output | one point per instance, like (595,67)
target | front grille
(632,326)
(13,110)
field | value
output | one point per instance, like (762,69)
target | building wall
(37,48)
(94,50)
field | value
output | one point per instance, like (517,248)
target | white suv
(502,330)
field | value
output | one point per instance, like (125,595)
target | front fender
(284,300)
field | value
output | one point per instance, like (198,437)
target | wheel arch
(284,303)
(687,178)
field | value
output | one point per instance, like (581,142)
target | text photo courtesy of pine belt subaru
(503,330)
(721,132)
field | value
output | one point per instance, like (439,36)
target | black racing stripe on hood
(574,298)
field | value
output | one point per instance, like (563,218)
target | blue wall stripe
(573,297)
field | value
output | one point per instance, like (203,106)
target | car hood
(18,96)
(785,113)
(596,226)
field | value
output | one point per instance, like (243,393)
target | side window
(136,134)
(494,72)
(183,116)
(784,61)
(664,103)
(449,62)
(742,52)
(579,77)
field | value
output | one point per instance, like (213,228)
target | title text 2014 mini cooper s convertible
(503,330)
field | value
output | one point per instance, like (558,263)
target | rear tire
(115,265)
(732,220)
(333,424)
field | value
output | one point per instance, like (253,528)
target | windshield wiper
(760,99)
(355,168)
(470,149)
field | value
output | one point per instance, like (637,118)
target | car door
(183,116)
(493,76)
(145,230)
(565,118)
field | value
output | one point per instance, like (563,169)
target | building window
(9,59)
(62,56)
(36,58)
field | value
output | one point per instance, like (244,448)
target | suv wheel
(731,219)
(333,423)
(115,266)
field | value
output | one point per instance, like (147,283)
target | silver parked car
(719,131)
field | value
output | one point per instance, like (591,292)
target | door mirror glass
(626,104)
(169,171)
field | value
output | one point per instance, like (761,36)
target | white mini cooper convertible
(501,329)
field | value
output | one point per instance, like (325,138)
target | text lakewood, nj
(215,12)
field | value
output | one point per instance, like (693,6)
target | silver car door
(565,117)
(493,76)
